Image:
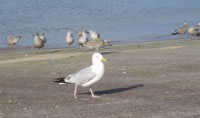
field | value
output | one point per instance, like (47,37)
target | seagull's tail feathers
(63,80)
(175,33)
(60,80)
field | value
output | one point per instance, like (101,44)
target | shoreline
(141,39)
(21,48)
(51,52)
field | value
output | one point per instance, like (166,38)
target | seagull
(42,37)
(69,38)
(94,35)
(194,31)
(82,37)
(96,44)
(87,76)
(38,42)
(198,24)
(181,30)
(12,40)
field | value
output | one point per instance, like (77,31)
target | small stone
(138,100)
(123,69)
(161,75)
(167,92)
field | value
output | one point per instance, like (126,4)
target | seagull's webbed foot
(93,95)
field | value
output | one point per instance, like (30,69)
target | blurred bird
(96,44)
(69,40)
(181,30)
(194,31)
(82,37)
(38,42)
(42,37)
(12,40)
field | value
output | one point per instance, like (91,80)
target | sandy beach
(157,79)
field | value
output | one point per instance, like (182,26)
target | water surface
(119,21)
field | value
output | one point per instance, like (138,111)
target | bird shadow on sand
(116,90)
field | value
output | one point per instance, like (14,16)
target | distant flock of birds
(94,41)
(192,31)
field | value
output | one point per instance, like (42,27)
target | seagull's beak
(104,60)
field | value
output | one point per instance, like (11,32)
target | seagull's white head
(185,22)
(69,34)
(97,57)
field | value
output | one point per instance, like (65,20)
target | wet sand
(156,79)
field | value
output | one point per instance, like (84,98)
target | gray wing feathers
(81,77)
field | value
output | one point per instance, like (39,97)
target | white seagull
(87,76)
(69,40)
(38,42)
(82,37)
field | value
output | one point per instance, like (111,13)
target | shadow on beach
(116,90)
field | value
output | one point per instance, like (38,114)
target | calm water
(116,20)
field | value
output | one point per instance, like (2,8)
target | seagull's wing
(83,76)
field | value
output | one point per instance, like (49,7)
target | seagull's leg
(75,90)
(94,96)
